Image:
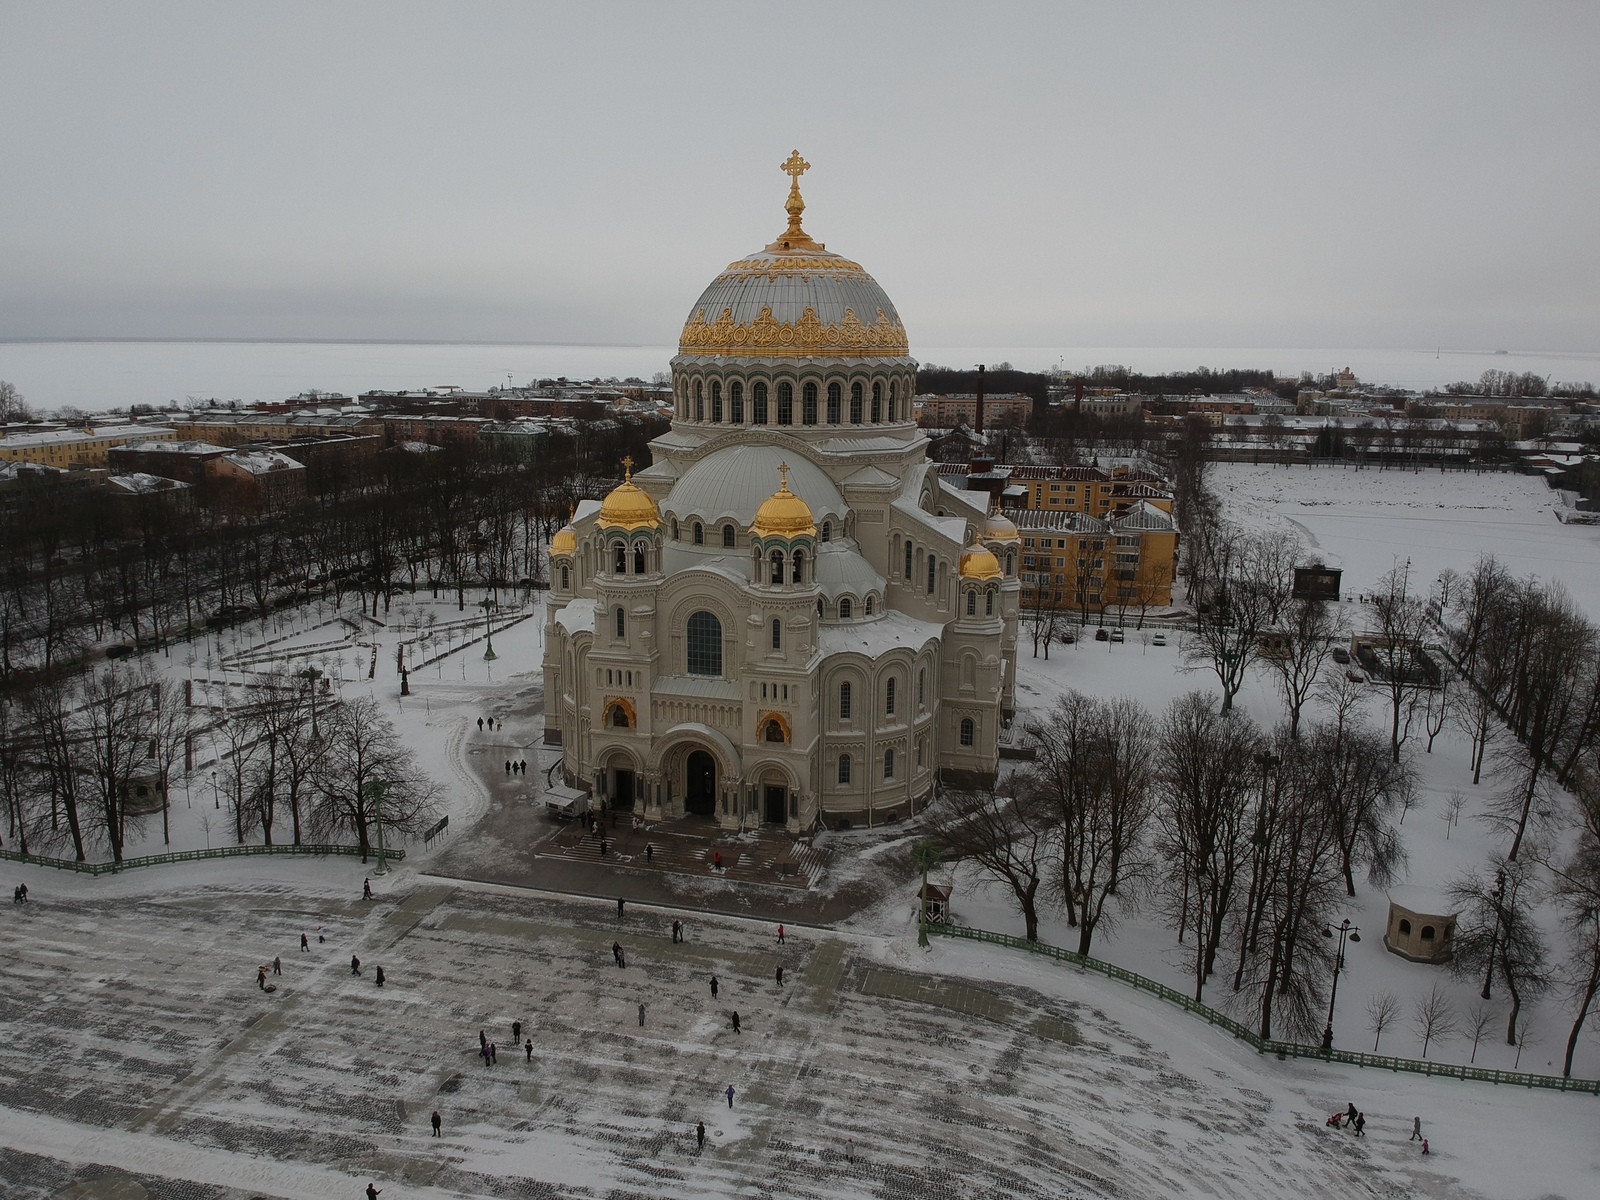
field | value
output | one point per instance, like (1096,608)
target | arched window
(727,535)
(1011,563)
(774,732)
(919,743)
(827,531)
(893,406)
(922,687)
(846,611)
(988,603)
(716,401)
(786,404)
(869,606)
(844,702)
(855,404)
(808,404)
(833,404)
(638,559)
(674,528)
(776,563)
(931,563)
(1405,927)
(777,634)
(619,716)
(819,608)
(972,602)
(908,560)
(758,402)
(844,768)
(888,764)
(877,402)
(736,402)
(799,566)
(888,696)
(699,534)
(705,644)
(565,579)
(619,557)
(699,402)
(968,731)
(622,623)
(1427,933)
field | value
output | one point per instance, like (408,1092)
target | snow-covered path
(133,1036)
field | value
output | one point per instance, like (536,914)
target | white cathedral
(787,619)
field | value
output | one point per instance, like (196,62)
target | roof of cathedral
(734,482)
(783,514)
(977,562)
(628,506)
(794,298)
(564,542)
(997,528)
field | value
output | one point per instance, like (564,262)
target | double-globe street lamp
(1345,930)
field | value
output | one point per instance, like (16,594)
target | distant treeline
(943,381)
(1202,381)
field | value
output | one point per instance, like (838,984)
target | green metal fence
(177,856)
(1267,1045)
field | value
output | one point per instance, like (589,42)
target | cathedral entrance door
(777,805)
(700,784)
(622,795)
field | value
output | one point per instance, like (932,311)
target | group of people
(1353,1118)
(19,894)
(490,720)
(516,766)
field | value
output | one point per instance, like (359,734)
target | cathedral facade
(786,619)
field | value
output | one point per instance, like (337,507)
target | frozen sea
(99,375)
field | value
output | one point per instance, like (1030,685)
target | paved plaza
(138,1057)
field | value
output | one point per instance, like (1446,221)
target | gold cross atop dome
(627,469)
(794,237)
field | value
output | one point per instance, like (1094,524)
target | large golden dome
(979,563)
(565,542)
(783,514)
(628,506)
(794,298)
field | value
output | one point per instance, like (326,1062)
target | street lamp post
(488,605)
(311,675)
(924,856)
(376,788)
(1346,930)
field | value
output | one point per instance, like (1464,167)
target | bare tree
(1434,1017)
(1309,628)
(1383,1010)
(171,726)
(1205,787)
(1500,936)
(1008,838)
(1436,708)
(1577,892)
(1245,592)
(116,724)
(1401,620)
(1480,1016)
(364,749)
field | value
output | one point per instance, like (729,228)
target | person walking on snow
(780,974)
(1361,1124)
(780,935)
(372,1192)
(261,977)
(729,1094)
(616,952)
(677,929)
(516,1032)
(641,1016)
(320,937)
(619,908)
(529,1049)
(736,1020)
(1424,1145)
(700,1135)
(493,1054)
(483,1041)
(305,943)
(713,987)
(366,889)
(437,1121)
(355,965)
(277,965)
(480,724)
(1350,1114)
(1416,1129)
(380,976)
(508,766)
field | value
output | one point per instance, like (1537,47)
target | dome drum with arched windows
(794,536)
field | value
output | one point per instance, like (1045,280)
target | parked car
(1118,636)
(1102,635)
(1068,638)
(1341,655)
(120,651)
(1159,639)
(1355,676)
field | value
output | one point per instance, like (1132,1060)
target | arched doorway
(700,784)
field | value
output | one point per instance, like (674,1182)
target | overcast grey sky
(1014,175)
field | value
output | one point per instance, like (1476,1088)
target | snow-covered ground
(1367,520)
(135,1045)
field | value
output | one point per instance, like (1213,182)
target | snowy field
(1367,520)
(138,1051)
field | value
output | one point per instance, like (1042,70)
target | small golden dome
(565,542)
(628,506)
(783,514)
(978,563)
(999,529)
